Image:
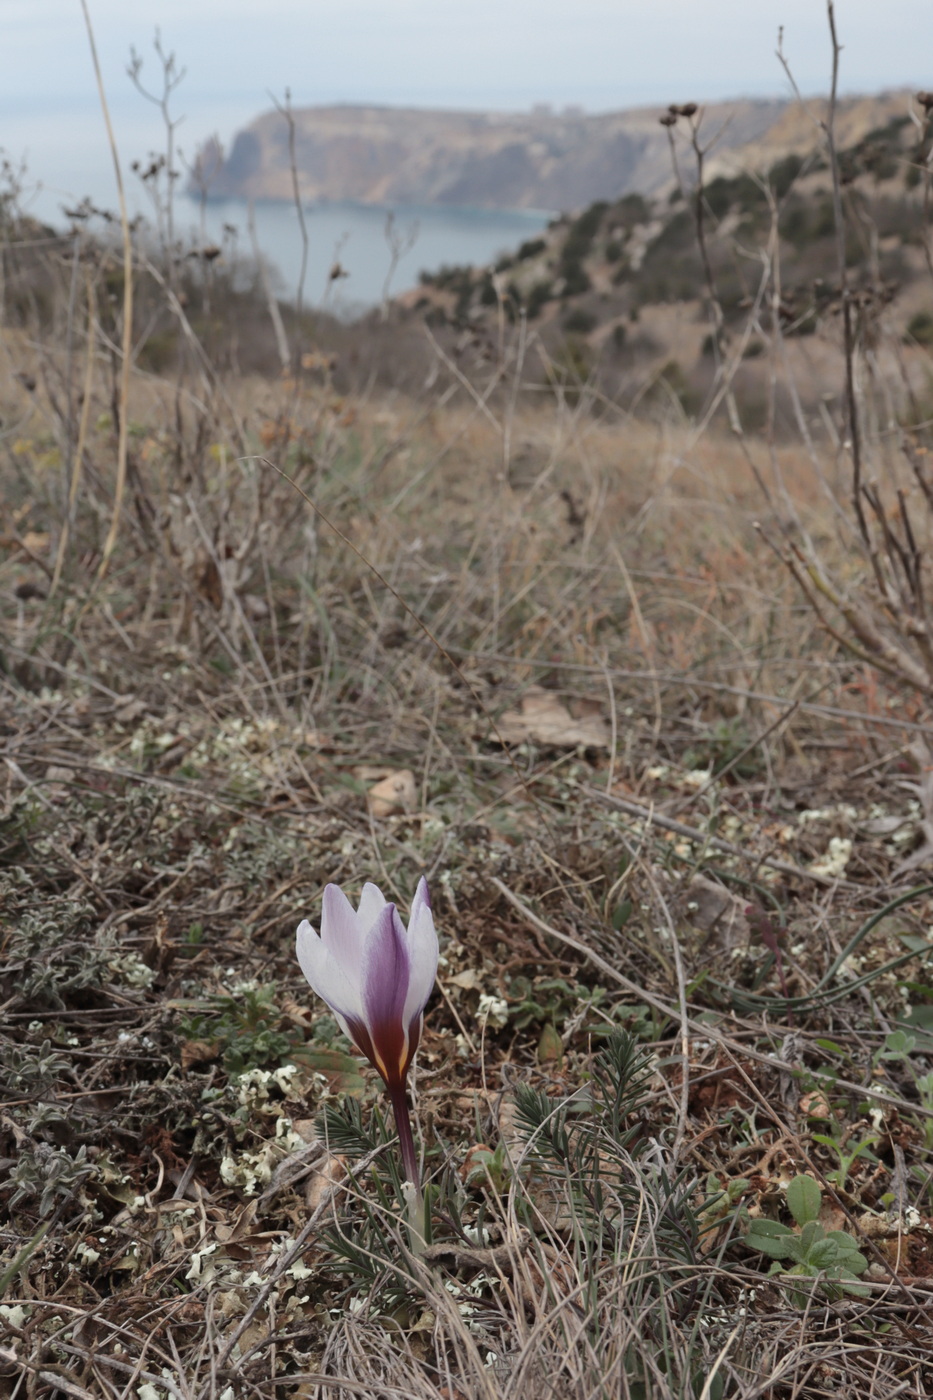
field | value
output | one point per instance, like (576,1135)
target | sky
(498,54)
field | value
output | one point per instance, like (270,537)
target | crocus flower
(376,977)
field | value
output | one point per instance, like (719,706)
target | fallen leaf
(129,707)
(717,912)
(323,1181)
(546,720)
(199,1052)
(472,1162)
(296,1167)
(36,541)
(341,1070)
(468,980)
(299,1013)
(393,794)
(550,1046)
(816,1105)
(255,607)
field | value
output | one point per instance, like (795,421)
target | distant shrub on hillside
(576,278)
(722,194)
(783,173)
(588,224)
(630,210)
(487,292)
(920,328)
(448,277)
(540,293)
(580,321)
(579,241)
(530,249)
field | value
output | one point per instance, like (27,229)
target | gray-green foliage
(54,950)
(29,1069)
(832,1257)
(49,1173)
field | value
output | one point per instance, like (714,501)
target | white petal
(342,933)
(372,902)
(326,975)
(421,903)
(422,952)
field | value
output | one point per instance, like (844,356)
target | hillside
(617,295)
(536,160)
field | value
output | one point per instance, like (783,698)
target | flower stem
(399,1099)
(417,1223)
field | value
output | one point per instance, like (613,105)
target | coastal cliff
(536,160)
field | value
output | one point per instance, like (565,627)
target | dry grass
(199,1194)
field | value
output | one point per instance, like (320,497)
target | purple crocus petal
(374,974)
(341,933)
(326,975)
(384,985)
(422,954)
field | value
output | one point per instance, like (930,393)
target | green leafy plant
(847,1147)
(831,1257)
(899,1046)
(490,1165)
(56,951)
(245,1025)
(547,999)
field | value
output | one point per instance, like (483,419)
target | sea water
(377,251)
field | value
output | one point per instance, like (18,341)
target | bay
(65,157)
(360,239)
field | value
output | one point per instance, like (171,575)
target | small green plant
(31,1069)
(530,249)
(925,1090)
(842,1141)
(832,1258)
(721,1200)
(58,950)
(899,1045)
(488,1165)
(542,1000)
(245,1026)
